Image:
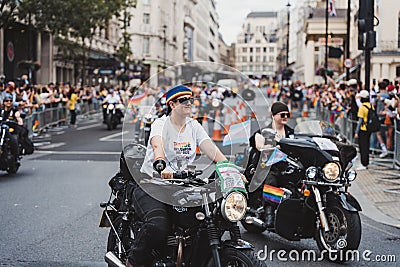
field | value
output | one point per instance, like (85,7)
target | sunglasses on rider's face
(284,115)
(8,100)
(185,100)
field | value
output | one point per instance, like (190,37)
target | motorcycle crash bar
(254,221)
(112,260)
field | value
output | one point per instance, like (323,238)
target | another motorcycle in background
(196,228)
(9,155)
(312,198)
(113,114)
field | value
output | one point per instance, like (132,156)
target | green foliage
(7,12)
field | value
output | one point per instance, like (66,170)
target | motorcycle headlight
(105,106)
(234,207)
(331,171)
(111,106)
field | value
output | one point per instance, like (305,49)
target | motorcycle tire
(235,257)
(112,242)
(13,169)
(344,234)
(109,123)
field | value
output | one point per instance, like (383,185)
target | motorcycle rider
(280,116)
(8,112)
(111,98)
(173,137)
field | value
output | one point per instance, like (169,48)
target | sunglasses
(285,115)
(185,100)
(8,100)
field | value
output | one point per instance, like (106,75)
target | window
(146,45)
(265,49)
(211,45)
(258,41)
(257,58)
(251,68)
(264,68)
(146,18)
(271,59)
(244,59)
(244,49)
(257,68)
(271,68)
(271,50)
(264,58)
(212,32)
(251,49)
(251,58)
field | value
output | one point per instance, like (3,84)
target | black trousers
(73,116)
(363,144)
(154,231)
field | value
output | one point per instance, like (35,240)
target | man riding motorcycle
(8,112)
(111,98)
(280,116)
(172,142)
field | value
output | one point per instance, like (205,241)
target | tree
(7,12)
(72,22)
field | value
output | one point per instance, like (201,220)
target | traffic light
(365,23)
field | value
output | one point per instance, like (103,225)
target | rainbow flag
(135,100)
(272,193)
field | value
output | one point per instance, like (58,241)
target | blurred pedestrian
(361,133)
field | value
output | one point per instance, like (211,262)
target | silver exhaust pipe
(113,260)
(254,221)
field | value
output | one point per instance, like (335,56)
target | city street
(52,207)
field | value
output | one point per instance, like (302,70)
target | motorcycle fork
(321,212)
(212,232)
(125,222)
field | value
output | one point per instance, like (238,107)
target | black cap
(278,107)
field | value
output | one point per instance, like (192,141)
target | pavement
(377,189)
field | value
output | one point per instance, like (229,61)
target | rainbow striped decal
(272,193)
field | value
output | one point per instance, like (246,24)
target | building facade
(256,46)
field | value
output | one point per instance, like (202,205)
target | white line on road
(88,126)
(109,137)
(52,145)
(77,152)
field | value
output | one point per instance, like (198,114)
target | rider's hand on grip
(159,165)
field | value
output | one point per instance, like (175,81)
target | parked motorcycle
(9,158)
(112,114)
(312,197)
(195,237)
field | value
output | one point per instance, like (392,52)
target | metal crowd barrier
(51,117)
(346,126)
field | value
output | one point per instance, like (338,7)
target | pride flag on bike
(272,193)
(238,133)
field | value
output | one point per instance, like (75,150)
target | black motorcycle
(196,228)
(312,198)
(112,114)
(9,147)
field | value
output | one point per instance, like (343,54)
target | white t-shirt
(112,99)
(180,147)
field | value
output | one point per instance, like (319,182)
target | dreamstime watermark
(314,256)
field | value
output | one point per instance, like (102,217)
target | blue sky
(233,12)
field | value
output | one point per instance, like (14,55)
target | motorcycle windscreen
(263,168)
(230,177)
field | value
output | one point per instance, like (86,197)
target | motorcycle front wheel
(231,257)
(113,244)
(344,233)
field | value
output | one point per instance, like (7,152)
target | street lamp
(288,31)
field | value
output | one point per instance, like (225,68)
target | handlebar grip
(159,165)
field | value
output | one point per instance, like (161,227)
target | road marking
(52,145)
(77,152)
(109,137)
(88,126)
